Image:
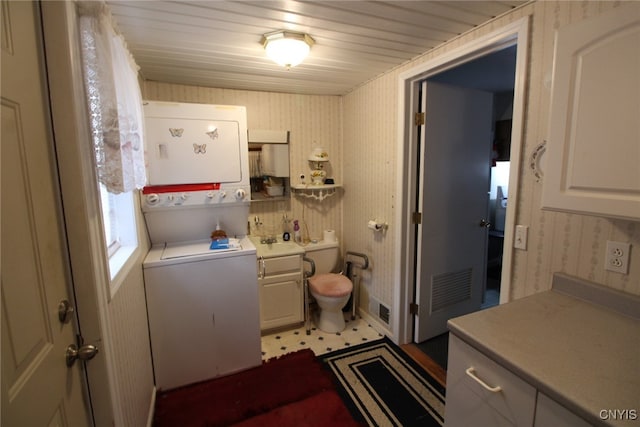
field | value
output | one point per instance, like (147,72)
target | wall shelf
(318,192)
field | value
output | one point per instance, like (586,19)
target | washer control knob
(210,194)
(184,196)
(222,194)
(240,194)
(170,197)
(153,198)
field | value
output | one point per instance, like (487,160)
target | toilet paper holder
(376,225)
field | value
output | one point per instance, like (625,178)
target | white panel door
(37,387)
(455,172)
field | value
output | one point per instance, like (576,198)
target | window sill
(120,264)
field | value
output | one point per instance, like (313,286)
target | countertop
(578,343)
(276,249)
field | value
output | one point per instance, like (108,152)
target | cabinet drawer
(515,400)
(279,265)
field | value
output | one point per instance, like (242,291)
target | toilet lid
(330,285)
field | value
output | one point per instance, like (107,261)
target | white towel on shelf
(254,164)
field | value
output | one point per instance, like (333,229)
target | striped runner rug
(382,386)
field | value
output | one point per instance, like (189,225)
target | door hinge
(414,309)
(416,217)
(419,119)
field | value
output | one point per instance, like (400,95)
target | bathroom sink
(277,248)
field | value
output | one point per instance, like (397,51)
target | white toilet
(330,290)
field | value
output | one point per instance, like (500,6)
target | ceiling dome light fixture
(287,48)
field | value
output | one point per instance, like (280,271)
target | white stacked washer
(202,304)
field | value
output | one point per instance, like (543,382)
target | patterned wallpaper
(359,131)
(570,243)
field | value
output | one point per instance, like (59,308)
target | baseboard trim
(152,407)
(377,325)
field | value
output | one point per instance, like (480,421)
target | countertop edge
(622,302)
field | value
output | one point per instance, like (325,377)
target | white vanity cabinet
(593,147)
(280,282)
(483,393)
(480,392)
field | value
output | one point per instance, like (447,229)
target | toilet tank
(324,254)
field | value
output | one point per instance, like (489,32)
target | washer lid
(202,247)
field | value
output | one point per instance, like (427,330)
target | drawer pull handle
(472,373)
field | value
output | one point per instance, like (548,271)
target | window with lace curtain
(115,112)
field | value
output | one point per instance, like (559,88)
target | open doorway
(479,138)
(509,40)
(493,73)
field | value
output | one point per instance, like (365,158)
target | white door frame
(516,33)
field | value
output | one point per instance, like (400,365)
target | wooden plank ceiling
(217,43)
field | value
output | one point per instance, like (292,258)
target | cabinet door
(280,300)
(594,134)
(275,160)
(551,413)
(470,402)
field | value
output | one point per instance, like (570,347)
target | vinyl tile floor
(282,342)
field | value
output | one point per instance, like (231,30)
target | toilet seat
(330,285)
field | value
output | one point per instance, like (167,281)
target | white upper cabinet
(593,154)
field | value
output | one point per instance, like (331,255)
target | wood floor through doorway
(426,362)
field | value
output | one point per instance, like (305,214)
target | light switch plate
(520,239)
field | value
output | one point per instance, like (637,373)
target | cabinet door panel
(280,301)
(551,413)
(594,134)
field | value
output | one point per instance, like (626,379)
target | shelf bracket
(318,193)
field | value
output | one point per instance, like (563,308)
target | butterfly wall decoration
(176,132)
(213,134)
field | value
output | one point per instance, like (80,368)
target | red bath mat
(285,388)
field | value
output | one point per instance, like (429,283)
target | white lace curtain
(114,100)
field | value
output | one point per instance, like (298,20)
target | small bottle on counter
(296,231)
(286,229)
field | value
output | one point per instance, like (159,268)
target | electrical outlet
(617,257)
(520,240)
